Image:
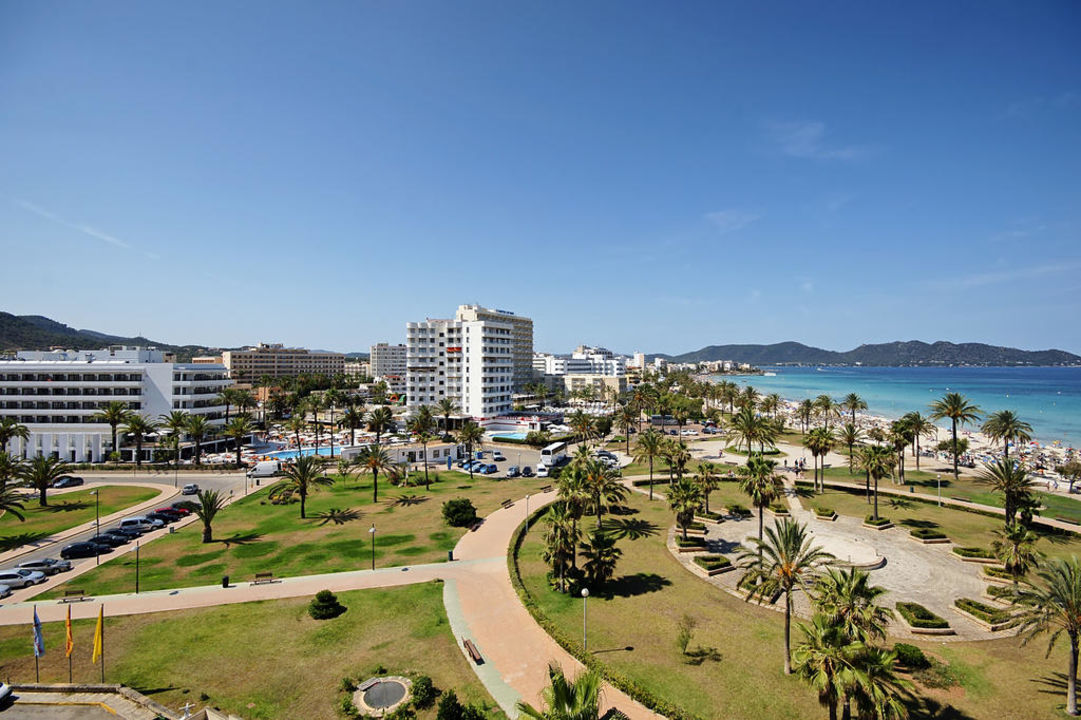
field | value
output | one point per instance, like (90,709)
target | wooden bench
(263,578)
(960,499)
(473,652)
(507,503)
(546,488)
(73,596)
(369,685)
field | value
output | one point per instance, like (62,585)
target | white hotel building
(472,362)
(54,394)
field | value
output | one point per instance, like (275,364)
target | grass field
(66,511)
(264,659)
(252,535)
(738,669)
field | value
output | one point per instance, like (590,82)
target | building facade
(274,360)
(388,359)
(55,395)
(521,338)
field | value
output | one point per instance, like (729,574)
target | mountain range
(893,354)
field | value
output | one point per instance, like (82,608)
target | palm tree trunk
(427,485)
(207,533)
(43,500)
(238,452)
(138,453)
(375,486)
(651,477)
(956,476)
(303,498)
(787,632)
(761,511)
(833,708)
(1071,679)
(917,452)
(600,509)
(876,497)
(867,486)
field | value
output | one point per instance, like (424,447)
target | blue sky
(646,176)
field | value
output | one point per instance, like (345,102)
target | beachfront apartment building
(388,360)
(472,362)
(521,338)
(583,361)
(56,393)
(275,360)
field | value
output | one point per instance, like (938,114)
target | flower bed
(825,513)
(713,517)
(999,593)
(691,544)
(778,510)
(738,510)
(975,554)
(928,536)
(713,564)
(879,524)
(997,574)
(992,618)
(920,618)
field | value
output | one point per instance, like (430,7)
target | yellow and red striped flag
(69,646)
(98,634)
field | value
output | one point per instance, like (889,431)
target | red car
(174,512)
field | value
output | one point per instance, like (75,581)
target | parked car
(140,523)
(490,469)
(542,471)
(165,518)
(108,539)
(527,471)
(129,533)
(497,456)
(49,566)
(175,512)
(21,578)
(83,550)
(4,591)
(185,506)
(513,471)
(66,481)
(190,489)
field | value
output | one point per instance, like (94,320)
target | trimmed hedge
(778,508)
(690,542)
(696,526)
(711,562)
(911,656)
(711,515)
(997,572)
(927,534)
(738,510)
(974,552)
(870,520)
(983,611)
(824,512)
(918,616)
(631,687)
(999,592)
(657,480)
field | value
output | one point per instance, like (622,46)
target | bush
(459,512)
(348,685)
(870,520)
(997,572)
(347,708)
(983,611)
(424,692)
(449,707)
(696,526)
(472,712)
(1001,592)
(402,712)
(738,510)
(824,512)
(325,605)
(974,552)
(927,534)
(778,508)
(690,542)
(711,562)
(711,515)
(918,616)
(911,656)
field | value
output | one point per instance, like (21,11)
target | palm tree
(784,561)
(826,408)
(603,485)
(302,476)
(577,699)
(601,555)
(1015,548)
(581,425)
(139,427)
(677,456)
(805,412)
(296,425)
(352,418)
(114,414)
(446,407)
(1005,427)
(877,462)
(10,428)
(850,436)
(470,434)
(380,420)
(819,441)
(759,481)
(1015,484)
(959,410)
(848,600)
(746,427)
(899,437)
(176,422)
(198,428)
(41,472)
(853,403)
(683,499)
(210,502)
(821,660)
(625,420)
(706,480)
(920,427)
(771,404)
(11,502)
(748,399)
(576,496)
(875,685)
(10,468)
(315,404)
(333,398)
(560,540)
(372,459)
(422,425)
(237,429)
(226,397)
(1054,606)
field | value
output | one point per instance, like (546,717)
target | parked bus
(554,454)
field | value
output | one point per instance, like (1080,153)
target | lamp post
(938,479)
(585,635)
(136,567)
(372,532)
(97,525)
(527,506)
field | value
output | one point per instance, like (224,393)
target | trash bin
(225,581)
(450,555)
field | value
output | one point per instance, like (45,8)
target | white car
(49,566)
(542,471)
(4,591)
(21,578)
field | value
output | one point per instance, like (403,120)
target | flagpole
(103,644)
(37,672)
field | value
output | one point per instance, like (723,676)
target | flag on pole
(98,634)
(69,644)
(39,640)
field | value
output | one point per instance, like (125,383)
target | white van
(140,523)
(542,471)
(265,468)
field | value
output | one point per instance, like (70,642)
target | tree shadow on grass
(408,500)
(921,706)
(622,510)
(337,516)
(899,503)
(723,546)
(1053,684)
(10,542)
(240,539)
(154,690)
(630,528)
(65,506)
(637,584)
(700,654)
(914,523)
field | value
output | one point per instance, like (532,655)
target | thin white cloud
(78,227)
(730,221)
(808,140)
(973,280)
(807,286)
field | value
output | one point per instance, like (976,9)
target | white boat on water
(769,374)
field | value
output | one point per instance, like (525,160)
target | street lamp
(372,531)
(585,636)
(97,525)
(136,567)
(527,505)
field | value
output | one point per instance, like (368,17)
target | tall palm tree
(849,601)
(226,397)
(352,418)
(601,556)
(821,660)
(877,462)
(771,404)
(603,485)
(825,408)
(139,427)
(1012,481)
(421,426)
(560,541)
(850,435)
(899,436)
(625,420)
(575,495)
(759,481)
(581,425)
(302,476)
(237,429)
(707,480)
(446,407)
(114,414)
(1005,427)
(176,422)
(10,468)
(748,398)
(296,425)
(683,499)
(805,412)
(470,434)
(380,420)
(10,429)
(373,459)
(819,442)
(853,403)
(920,427)
(316,404)
(564,699)
(210,502)
(677,456)
(783,561)
(1015,548)
(959,410)
(875,685)
(198,429)
(11,502)
(745,427)
(1054,606)
(40,473)
(333,399)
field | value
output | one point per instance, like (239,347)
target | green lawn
(252,535)
(261,659)
(633,627)
(66,511)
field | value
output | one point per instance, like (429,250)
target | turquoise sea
(1049,398)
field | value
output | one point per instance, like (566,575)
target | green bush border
(918,616)
(927,534)
(990,615)
(632,688)
(974,552)
(870,520)
(711,562)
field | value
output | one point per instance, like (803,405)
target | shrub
(710,515)
(981,610)
(974,552)
(690,542)
(325,605)
(687,624)
(347,708)
(348,685)
(449,707)
(424,692)
(472,712)
(1001,592)
(778,508)
(918,616)
(404,711)
(738,510)
(824,512)
(696,526)
(711,562)
(870,520)
(927,534)
(997,572)
(911,656)
(459,512)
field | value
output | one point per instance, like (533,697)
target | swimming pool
(292,454)
(509,435)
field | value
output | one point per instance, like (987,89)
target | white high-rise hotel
(478,359)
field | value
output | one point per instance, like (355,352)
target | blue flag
(39,640)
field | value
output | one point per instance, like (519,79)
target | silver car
(21,578)
(4,591)
(49,566)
